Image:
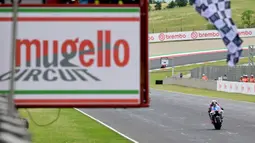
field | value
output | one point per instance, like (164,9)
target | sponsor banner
(68,56)
(195,35)
(236,87)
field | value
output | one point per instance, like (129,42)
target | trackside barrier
(12,128)
(219,85)
(195,35)
(190,82)
(236,87)
(214,72)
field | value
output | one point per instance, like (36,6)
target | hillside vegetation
(186,18)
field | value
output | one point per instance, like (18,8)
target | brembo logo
(68,60)
(216,34)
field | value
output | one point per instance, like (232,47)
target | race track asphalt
(183,60)
(181,118)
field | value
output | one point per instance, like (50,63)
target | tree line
(172,4)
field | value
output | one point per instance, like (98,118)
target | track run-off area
(178,117)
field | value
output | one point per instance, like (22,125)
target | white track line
(107,126)
(192,53)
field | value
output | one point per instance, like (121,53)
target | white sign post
(164,61)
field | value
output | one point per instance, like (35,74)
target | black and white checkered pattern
(12,128)
(218,13)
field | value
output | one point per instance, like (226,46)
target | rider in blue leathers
(213,103)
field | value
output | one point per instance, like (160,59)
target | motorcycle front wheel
(217,124)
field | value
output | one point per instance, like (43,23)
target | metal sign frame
(144,60)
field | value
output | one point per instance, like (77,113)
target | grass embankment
(158,75)
(186,18)
(71,127)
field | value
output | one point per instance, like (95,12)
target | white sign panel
(73,56)
(236,87)
(164,61)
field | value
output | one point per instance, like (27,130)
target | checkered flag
(218,13)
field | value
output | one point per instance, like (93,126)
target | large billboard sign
(73,56)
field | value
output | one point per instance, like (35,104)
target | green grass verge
(71,127)
(157,75)
(186,18)
(208,93)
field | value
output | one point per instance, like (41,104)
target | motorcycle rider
(213,104)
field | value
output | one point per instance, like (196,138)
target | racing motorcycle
(217,117)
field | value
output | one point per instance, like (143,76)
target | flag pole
(13,57)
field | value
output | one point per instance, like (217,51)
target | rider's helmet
(214,102)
